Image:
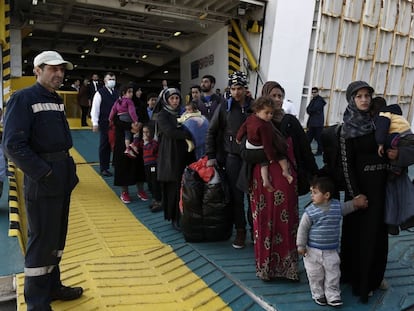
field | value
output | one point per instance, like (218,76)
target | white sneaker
(335,303)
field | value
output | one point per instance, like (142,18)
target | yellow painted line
(120,263)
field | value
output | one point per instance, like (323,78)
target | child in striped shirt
(318,240)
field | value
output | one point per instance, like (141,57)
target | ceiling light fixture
(144,56)
(177,33)
(82,56)
(253,2)
(86,51)
(102,30)
(34,2)
(158,46)
(95,39)
(165,71)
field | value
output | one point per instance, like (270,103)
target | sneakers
(67,293)
(130,153)
(321,301)
(125,197)
(142,195)
(335,303)
(240,240)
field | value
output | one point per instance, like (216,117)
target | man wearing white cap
(37,139)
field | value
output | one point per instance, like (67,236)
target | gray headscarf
(356,122)
(165,94)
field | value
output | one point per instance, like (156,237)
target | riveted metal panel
(372,13)
(328,34)
(367,43)
(389,13)
(352,9)
(332,7)
(348,40)
(324,66)
(372,41)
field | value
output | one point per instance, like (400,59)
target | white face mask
(110,84)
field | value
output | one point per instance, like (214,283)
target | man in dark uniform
(37,139)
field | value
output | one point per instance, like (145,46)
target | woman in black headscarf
(172,152)
(306,167)
(364,244)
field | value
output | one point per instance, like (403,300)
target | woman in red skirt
(275,223)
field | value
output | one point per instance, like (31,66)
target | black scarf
(356,122)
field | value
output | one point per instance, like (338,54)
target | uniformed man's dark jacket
(35,123)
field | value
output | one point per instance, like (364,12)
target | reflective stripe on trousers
(38,271)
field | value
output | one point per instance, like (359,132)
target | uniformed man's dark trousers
(47,207)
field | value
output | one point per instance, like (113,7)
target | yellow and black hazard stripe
(5,43)
(234,51)
(17,223)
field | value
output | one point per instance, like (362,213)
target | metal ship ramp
(127,258)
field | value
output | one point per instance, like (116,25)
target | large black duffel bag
(206,214)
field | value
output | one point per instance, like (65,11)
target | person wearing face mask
(102,103)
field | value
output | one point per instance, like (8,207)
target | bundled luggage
(204,204)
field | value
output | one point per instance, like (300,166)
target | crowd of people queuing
(267,160)
(268,163)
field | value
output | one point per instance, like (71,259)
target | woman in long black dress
(364,245)
(172,152)
(128,171)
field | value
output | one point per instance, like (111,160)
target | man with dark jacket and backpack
(222,149)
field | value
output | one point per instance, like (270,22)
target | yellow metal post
(250,57)
(234,51)
(5,44)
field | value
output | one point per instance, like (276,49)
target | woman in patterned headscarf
(172,152)
(364,245)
